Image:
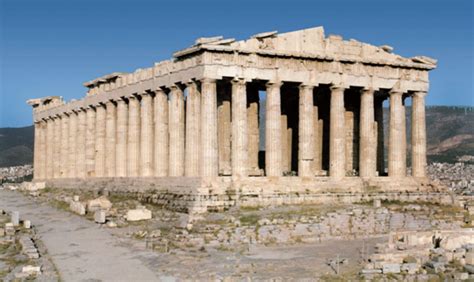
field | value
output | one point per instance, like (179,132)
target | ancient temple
(271,115)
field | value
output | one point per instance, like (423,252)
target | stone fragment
(459,276)
(371,271)
(469,258)
(377,203)
(138,214)
(469,268)
(99,216)
(9,229)
(410,268)
(101,203)
(435,267)
(111,224)
(2,232)
(15,218)
(391,268)
(75,198)
(27,224)
(31,270)
(77,207)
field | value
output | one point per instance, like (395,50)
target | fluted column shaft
(57,147)
(273,165)
(81,144)
(253,130)
(193,116)
(380,136)
(176,131)
(146,135)
(317,140)
(43,145)
(209,153)
(305,132)
(121,141)
(133,146)
(36,152)
(90,142)
(367,144)
(100,135)
(64,155)
(111,139)
(161,133)
(418,135)
(397,140)
(337,154)
(49,148)
(72,144)
(239,129)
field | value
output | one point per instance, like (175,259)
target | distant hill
(16,146)
(450,133)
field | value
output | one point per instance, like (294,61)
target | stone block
(460,276)
(77,207)
(469,258)
(27,224)
(99,216)
(469,268)
(9,229)
(15,218)
(371,271)
(75,198)
(410,268)
(111,224)
(435,267)
(391,268)
(101,203)
(138,214)
(2,232)
(31,270)
(377,203)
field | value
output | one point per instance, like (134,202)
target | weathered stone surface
(101,203)
(15,218)
(27,224)
(99,216)
(391,268)
(138,214)
(78,207)
(469,257)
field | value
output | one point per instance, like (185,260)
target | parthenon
(288,112)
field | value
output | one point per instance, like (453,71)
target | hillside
(450,133)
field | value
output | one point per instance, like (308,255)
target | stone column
(380,135)
(121,141)
(418,135)
(285,144)
(209,153)
(161,133)
(36,152)
(239,129)
(43,156)
(397,142)
(305,131)
(146,137)
(367,144)
(64,156)
(176,131)
(273,130)
(111,139)
(72,144)
(57,147)
(224,130)
(253,130)
(133,139)
(100,142)
(193,117)
(337,136)
(81,144)
(317,141)
(90,142)
(49,148)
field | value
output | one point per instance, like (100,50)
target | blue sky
(50,47)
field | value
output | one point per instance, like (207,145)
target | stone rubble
(15,174)
(459,177)
(140,213)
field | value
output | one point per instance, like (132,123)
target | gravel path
(80,249)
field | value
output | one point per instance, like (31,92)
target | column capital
(419,94)
(367,91)
(208,80)
(306,86)
(337,87)
(395,91)
(274,83)
(190,83)
(238,81)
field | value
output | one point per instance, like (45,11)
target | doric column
(239,129)
(193,118)
(133,146)
(72,144)
(43,142)
(367,144)
(111,139)
(64,156)
(81,144)
(380,135)
(57,147)
(397,141)
(285,144)
(418,135)
(49,148)
(121,141)
(176,129)
(305,131)
(90,142)
(209,156)
(36,152)
(100,135)
(317,140)
(337,156)
(146,137)
(253,130)
(224,129)
(161,133)
(273,166)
